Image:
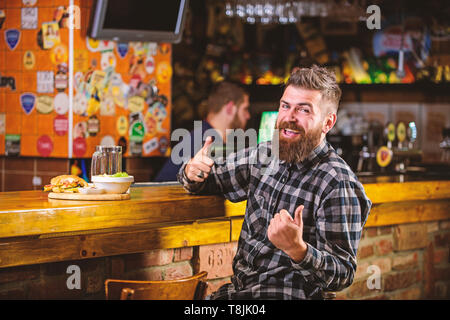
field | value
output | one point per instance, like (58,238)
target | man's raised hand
(199,167)
(286,233)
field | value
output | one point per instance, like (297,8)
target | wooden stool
(190,288)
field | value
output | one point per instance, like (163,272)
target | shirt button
(283,180)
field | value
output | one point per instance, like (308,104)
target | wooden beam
(236,226)
(407,191)
(235,209)
(387,214)
(32,250)
(408,212)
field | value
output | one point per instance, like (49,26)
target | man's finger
(196,178)
(284,215)
(207,160)
(274,224)
(270,231)
(298,219)
(202,166)
(205,148)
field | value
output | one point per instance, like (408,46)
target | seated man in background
(227,108)
(305,212)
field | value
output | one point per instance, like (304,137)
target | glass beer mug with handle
(106,160)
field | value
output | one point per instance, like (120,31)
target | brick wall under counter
(48,281)
(413,260)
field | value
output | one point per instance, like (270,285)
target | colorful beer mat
(12,38)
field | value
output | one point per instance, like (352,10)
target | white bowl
(113,184)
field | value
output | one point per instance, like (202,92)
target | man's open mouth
(289,133)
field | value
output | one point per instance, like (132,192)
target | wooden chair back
(190,288)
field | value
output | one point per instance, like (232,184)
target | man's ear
(329,122)
(230,108)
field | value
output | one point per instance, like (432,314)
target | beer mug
(106,160)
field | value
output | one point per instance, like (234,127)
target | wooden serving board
(80,196)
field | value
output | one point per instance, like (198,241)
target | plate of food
(72,187)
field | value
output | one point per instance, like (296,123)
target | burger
(65,184)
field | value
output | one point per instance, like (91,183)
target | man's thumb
(298,215)
(206,146)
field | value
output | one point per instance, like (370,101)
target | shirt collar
(206,125)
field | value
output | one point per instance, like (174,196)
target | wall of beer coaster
(121,91)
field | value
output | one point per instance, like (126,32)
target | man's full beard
(299,149)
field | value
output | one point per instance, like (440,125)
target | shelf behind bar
(271,93)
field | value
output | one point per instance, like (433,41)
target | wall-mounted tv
(137,20)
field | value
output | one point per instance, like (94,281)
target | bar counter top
(35,229)
(28,213)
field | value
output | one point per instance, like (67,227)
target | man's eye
(284,106)
(303,110)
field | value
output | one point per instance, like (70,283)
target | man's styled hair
(222,93)
(317,78)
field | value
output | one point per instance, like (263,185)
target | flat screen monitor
(138,20)
(267,125)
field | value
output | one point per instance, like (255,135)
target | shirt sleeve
(229,176)
(339,223)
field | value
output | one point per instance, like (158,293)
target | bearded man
(305,207)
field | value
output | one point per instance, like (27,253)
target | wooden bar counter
(35,229)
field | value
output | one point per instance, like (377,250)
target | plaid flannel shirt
(335,211)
